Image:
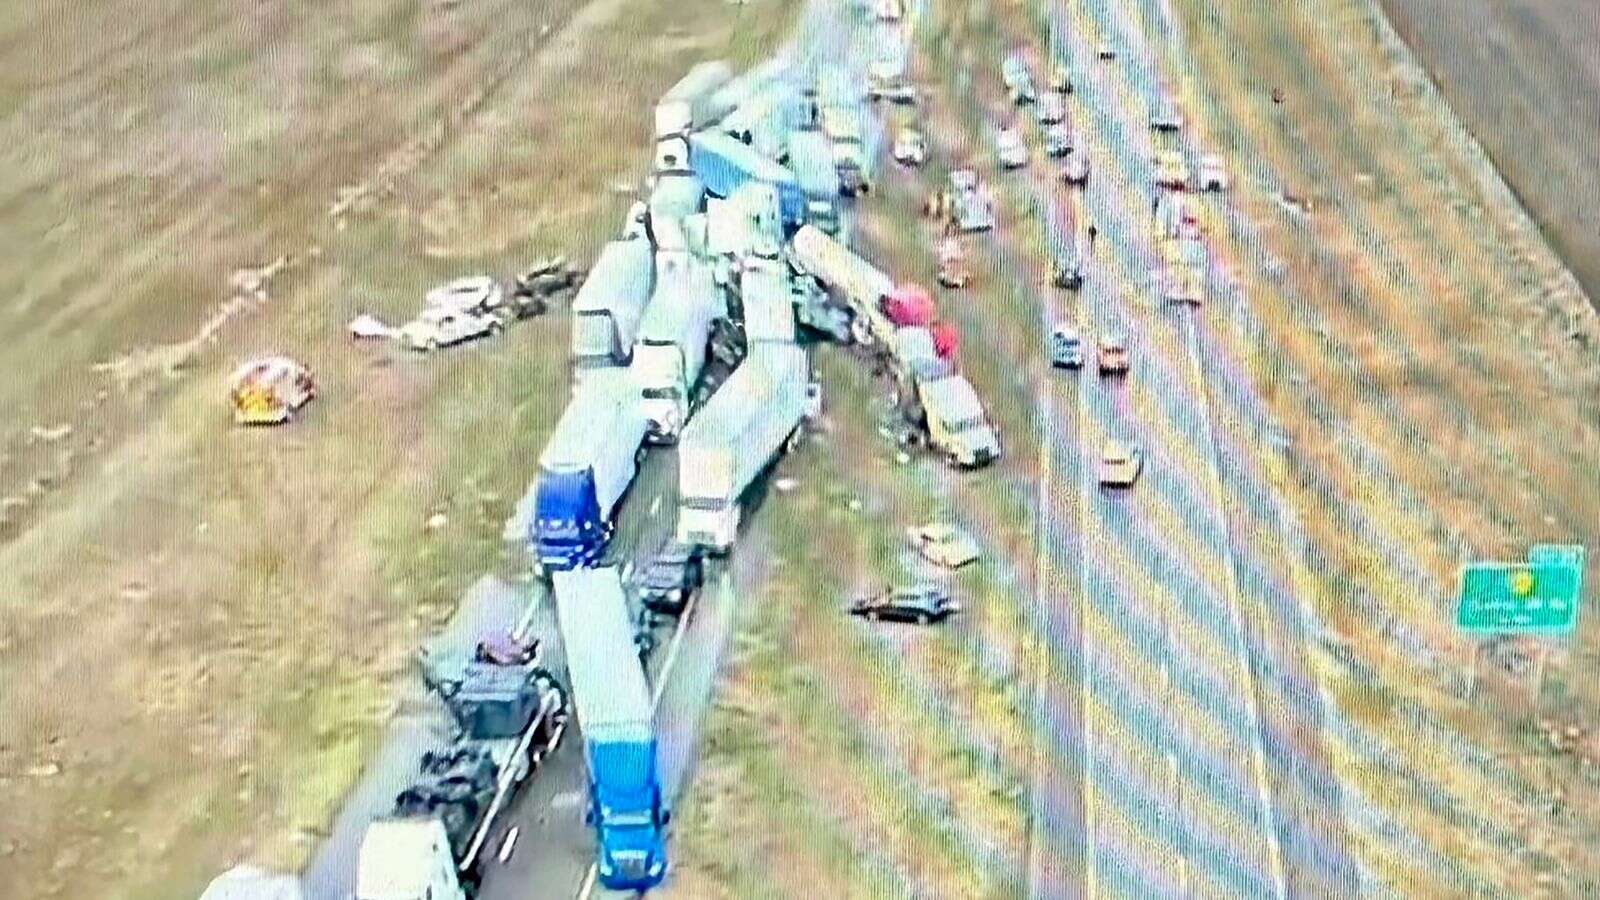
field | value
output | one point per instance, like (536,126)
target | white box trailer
(607,308)
(857,283)
(748,223)
(671,352)
(768,306)
(586,468)
(747,423)
(693,103)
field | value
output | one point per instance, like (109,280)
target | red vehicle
(909,304)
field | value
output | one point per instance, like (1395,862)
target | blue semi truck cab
(625,808)
(585,470)
(616,717)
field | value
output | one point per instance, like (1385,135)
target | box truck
(747,224)
(607,308)
(616,718)
(744,427)
(585,470)
(671,352)
(724,164)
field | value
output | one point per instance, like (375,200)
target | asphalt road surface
(1197,736)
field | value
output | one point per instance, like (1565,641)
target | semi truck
(768,306)
(724,165)
(586,468)
(617,721)
(507,711)
(695,101)
(671,352)
(860,286)
(744,427)
(607,308)
(811,160)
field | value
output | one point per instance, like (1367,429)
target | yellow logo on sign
(1522,583)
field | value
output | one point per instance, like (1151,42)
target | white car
(910,147)
(1051,108)
(437,328)
(1076,170)
(1213,174)
(1165,115)
(1009,148)
(1171,171)
(1057,140)
(475,293)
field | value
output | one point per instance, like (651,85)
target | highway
(1203,770)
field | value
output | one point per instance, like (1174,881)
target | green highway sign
(1540,596)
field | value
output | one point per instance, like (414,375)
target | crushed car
(436,328)
(1010,149)
(943,544)
(1075,168)
(270,390)
(910,147)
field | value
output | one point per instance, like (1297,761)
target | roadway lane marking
(1235,613)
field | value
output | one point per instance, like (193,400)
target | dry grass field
(1524,79)
(200,625)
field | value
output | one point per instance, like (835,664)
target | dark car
(919,605)
(672,578)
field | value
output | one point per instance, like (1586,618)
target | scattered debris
(369,327)
(436,521)
(49,434)
(944,544)
(269,390)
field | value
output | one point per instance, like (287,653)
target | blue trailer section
(723,163)
(585,469)
(616,717)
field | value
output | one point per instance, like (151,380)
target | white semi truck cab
(407,859)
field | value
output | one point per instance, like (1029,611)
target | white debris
(50,434)
(368,326)
(437,521)
(785,485)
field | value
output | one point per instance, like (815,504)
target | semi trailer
(768,301)
(616,719)
(695,101)
(585,470)
(507,712)
(607,308)
(671,351)
(743,429)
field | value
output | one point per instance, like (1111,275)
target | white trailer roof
(768,306)
(591,418)
(608,686)
(750,387)
(622,270)
(704,78)
(675,196)
(686,293)
(397,855)
(953,399)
